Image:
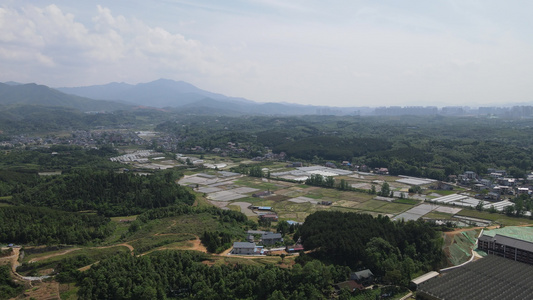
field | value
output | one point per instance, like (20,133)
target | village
(479,207)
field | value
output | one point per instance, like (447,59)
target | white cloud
(49,39)
(335,53)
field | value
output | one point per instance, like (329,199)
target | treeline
(216,241)
(164,275)
(13,181)
(395,250)
(330,182)
(179,210)
(65,157)
(39,118)
(332,147)
(432,147)
(40,225)
(8,287)
(107,192)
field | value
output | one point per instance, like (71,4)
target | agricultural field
(295,201)
(496,217)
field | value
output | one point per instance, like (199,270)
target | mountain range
(178,96)
(13,93)
(184,97)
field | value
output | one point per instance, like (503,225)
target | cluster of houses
(93,139)
(496,185)
(264,238)
(257,240)
(235,148)
(265,212)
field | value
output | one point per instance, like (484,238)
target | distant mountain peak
(13,83)
(181,95)
(36,94)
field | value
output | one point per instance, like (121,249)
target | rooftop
(491,277)
(244,245)
(271,235)
(520,233)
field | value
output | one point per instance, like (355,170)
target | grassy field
(498,218)
(151,242)
(288,210)
(383,207)
(407,201)
(122,225)
(438,215)
(93,253)
(259,184)
(68,292)
(164,232)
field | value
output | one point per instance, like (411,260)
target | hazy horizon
(439,53)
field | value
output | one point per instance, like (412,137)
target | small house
(267,208)
(382,171)
(294,248)
(330,165)
(271,217)
(246,248)
(364,277)
(262,194)
(271,238)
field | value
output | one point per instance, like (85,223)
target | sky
(334,53)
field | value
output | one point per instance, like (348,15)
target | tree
(509,210)
(256,171)
(385,190)
(479,205)
(330,182)
(343,185)
(283,227)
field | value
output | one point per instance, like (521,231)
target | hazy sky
(343,53)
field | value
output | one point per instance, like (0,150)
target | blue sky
(337,53)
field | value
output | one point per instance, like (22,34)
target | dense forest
(40,225)
(165,275)
(433,147)
(38,118)
(394,250)
(8,288)
(107,192)
(64,157)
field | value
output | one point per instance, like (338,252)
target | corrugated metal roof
(244,245)
(521,233)
(425,277)
(512,242)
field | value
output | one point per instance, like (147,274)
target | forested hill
(40,225)
(108,192)
(416,146)
(42,95)
(395,250)
(173,275)
(26,119)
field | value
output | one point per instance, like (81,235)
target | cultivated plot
(302,199)
(416,212)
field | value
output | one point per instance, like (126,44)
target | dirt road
(53,255)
